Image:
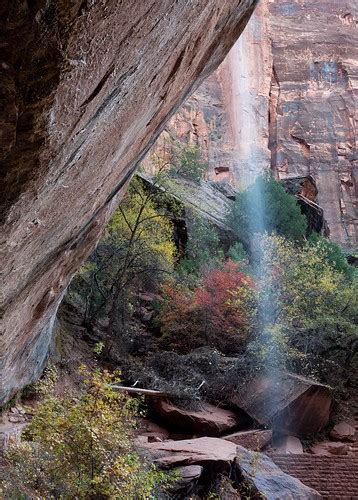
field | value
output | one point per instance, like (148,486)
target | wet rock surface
(330,448)
(333,477)
(312,129)
(285,99)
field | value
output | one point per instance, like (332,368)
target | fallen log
(137,390)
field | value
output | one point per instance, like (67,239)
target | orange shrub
(216,313)
(217,299)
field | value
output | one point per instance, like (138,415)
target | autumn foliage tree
(217,313)
(80,446)
(215,301)
(137,250)
(307,302)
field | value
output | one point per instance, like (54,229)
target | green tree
(81,447)
(266,207)
(203,250)
(333,254)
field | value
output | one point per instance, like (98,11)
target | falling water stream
(250,108)
(267,306)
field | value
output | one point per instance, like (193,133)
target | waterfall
(248,67)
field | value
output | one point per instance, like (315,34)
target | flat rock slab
(209,420)
(264,478)
(199,451)
(254,440)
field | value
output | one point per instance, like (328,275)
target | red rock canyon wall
(286,98)
(85,88)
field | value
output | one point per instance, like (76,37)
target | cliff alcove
(86,87)
(178,248)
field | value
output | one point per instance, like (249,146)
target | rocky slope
(286,97)
(86,87)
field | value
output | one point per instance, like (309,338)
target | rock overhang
(87,87)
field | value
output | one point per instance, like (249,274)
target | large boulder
(264,479)
(289,403)
(208,201)
(208,420)
(199,451)
(255,440)
(255,472)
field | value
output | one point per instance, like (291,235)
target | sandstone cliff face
(285,98)
(85,88)
(313,120)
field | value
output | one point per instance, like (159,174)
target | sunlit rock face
(285,98)
(85,88)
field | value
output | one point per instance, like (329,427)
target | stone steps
(333,477)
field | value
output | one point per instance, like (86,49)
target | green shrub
(266,207)
(237,252)
(333,253)
(304,301)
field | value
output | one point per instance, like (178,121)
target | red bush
(217,299)
(215,314)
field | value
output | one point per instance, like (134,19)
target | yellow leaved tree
(81,446)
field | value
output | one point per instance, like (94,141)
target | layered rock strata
(85,89)
(313,97)
(285,98)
